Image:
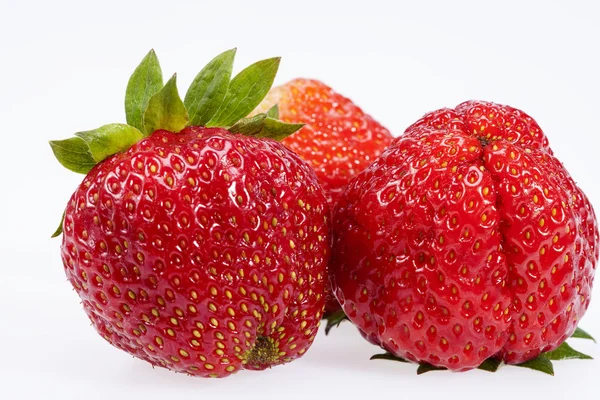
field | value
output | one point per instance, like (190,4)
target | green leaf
(565,352)
(490,365)
(278,130)
(264,127)
(273,112)
(86,149)
(423,368)
(249,126)
(206,93)
(334,320)
(73,154)
(581,334)
(542,364)
(165,110)
(388,356)
(145,81)
(110,139)
(246,91)
(59,230)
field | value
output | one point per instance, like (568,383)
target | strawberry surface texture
(467,239)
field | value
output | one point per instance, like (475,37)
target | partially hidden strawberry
(466,244)
(197,248)
(338,139)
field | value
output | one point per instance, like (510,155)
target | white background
(64,66)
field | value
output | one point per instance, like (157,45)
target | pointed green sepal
(273,112)
(565,352)
(73,154)
(250,126)
(490,365)
(246,90)
(59,230)
(388,356)
(278,130)
(145,81)
(166,110)
(110,139)
(207,92)
(81,152)
(542,364)
(423,368)
(334,320)
(581,334)
(262,126)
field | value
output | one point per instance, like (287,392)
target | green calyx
(213,99)
(334,320)
(542,363)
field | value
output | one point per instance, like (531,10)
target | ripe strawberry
(467,239)
(201,251)
(338,139)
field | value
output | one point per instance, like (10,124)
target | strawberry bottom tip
(263,353)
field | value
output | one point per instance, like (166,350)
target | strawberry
(197,248)
(466,241)
(338,139)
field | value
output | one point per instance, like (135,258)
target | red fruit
(466,239)
(338,140)
(202,252)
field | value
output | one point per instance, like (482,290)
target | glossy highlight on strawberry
(466,240)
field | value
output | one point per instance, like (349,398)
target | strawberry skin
(338,139)
(202,252)
(467,239)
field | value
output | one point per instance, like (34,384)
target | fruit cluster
(213,234)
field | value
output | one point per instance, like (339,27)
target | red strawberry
(338,139)
(201,251)
(467,239)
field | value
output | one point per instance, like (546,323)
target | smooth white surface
(64,67)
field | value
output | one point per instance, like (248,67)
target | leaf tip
(59,230)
